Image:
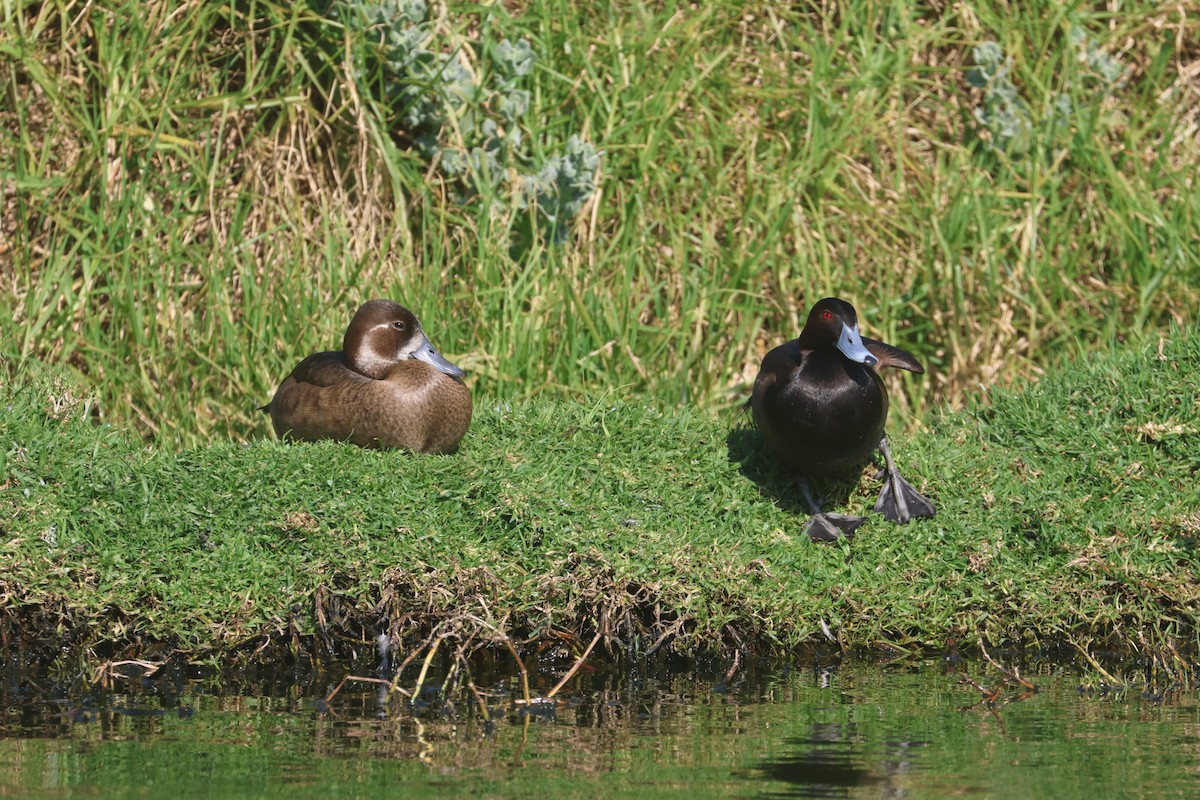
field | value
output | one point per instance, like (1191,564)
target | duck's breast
(825,417)
(422,408)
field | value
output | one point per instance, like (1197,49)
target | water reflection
(826,763)
(853,730)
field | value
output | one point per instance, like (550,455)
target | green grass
(1067,514)
(195,197)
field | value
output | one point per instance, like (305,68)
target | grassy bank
(1067,513)
(197,194)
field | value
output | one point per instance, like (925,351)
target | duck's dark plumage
(822,409)
(387,387)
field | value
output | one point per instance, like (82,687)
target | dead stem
(1013,675)
(363,679)
(993,697)
(521,665)
(574,668)
(107,671)
(416,692)
(1095,664)
(511,648)
(479,700)
(666,636)
(733,668)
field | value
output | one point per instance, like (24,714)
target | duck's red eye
(826,315)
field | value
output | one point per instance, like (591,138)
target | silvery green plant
(1003,112)
(468,122)
(1105,70)
(1009,118)
(561,187)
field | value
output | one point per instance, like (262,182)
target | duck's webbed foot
(898,500)
(831,527)
(824,527)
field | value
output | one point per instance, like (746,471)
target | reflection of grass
(194,199)
(1067,511)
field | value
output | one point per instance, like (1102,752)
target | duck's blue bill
(429,354)
(851,345)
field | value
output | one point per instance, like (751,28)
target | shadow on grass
(748,450)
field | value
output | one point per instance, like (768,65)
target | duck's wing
(319,370)
(326,369)
(890,356)
(777,365)
(311,403)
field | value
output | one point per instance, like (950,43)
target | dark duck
(388,387)
(821,407)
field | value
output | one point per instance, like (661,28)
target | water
(855,730)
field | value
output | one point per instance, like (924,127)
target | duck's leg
(824,527)
(898,500)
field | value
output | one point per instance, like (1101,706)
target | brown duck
(822,407)
(387,387)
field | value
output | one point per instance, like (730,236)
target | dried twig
(1095,664)
(416,692)
(108,670)
(574,668)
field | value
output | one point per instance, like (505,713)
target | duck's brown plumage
(387,387)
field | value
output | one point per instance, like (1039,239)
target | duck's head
(384,333)
(834,323)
